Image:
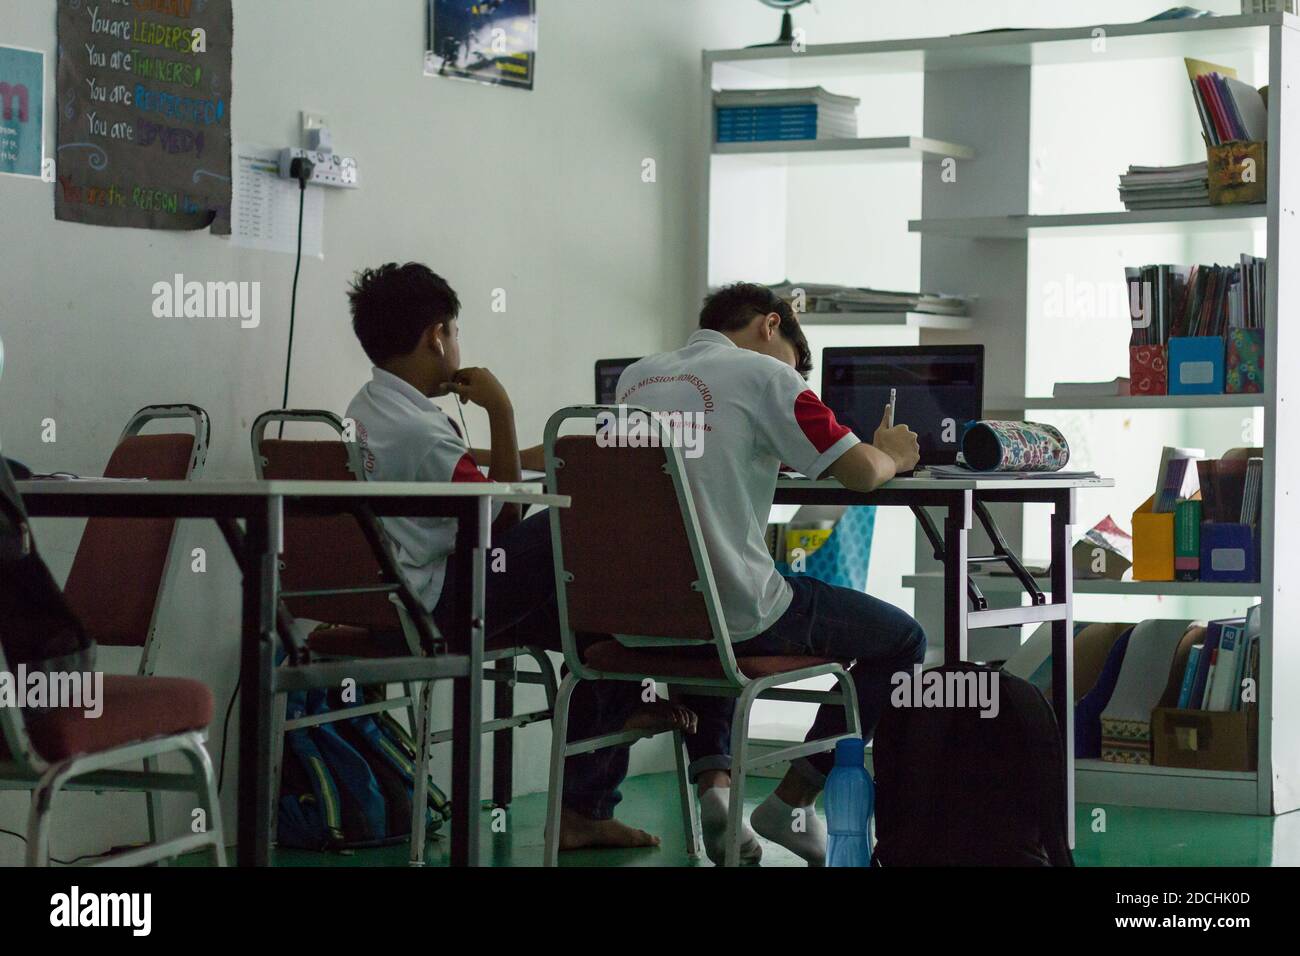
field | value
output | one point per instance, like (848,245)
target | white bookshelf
(902,320)
(1147,221)
(879,149)
(974,240)
(1133,402)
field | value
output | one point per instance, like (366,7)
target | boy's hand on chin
(481,387)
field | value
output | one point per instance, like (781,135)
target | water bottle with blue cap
(850,801)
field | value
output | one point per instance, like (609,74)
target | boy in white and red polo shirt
(740,381)
(406,320)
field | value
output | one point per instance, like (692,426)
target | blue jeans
(822,621)
(522,611)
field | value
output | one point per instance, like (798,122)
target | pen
(893,397)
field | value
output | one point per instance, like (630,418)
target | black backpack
(957,789)
(37,628)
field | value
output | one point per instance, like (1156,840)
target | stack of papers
(839,298)
(1114,388)
(961,471)
(1165,187)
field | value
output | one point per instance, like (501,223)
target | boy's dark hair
(734,307)
(393,306)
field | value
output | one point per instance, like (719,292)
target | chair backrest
(629,555)
(117,577)
(323,552)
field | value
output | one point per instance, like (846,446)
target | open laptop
(608,372)
(939,387)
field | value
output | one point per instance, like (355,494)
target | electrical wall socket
(331,168)
(311,121)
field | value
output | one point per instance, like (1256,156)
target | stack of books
(1169,301)
(1231,490)
(1230,110)
(747,116)
(823,298)
(1165,187)
(1216,668)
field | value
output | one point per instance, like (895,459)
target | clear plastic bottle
(850,801)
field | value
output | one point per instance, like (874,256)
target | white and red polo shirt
(757,413)
(404,436)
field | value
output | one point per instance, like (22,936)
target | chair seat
(613,657)
(135,709)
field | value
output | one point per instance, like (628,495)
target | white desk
(261,505)
(964,499)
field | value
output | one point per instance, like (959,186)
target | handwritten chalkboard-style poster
(22,101)
(491,41)
(143,98)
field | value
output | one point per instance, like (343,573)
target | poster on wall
(143,102)
(490,41)
(22,111)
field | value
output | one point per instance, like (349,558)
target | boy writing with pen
(744,372)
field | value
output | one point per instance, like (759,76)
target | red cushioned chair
(630,560)
(122,565)
(331,577)
(139,718)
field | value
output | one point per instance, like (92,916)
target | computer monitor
(608,372)
(940,388)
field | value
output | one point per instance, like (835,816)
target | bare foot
(660,716)
(577,832)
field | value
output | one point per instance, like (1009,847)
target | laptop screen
(608,372)
(940,388)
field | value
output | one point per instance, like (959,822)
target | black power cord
(300,169)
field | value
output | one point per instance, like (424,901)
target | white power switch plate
(331,168)
(311,121)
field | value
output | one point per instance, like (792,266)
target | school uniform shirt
(404,436)
(757,413)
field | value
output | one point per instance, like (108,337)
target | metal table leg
(473,537)
(1063,643)
(956,576)
(260,587)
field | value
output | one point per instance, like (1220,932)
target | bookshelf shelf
(996,583)
(906,320)
(1130,402)
(1006,48)
(1182,220)
(826,152)
(979,92)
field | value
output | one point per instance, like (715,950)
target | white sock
(715,804)
(799,829)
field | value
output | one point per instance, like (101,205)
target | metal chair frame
(734,683)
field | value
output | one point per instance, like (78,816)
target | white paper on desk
(264,207)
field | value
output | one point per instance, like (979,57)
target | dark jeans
(521,610)
(822,621)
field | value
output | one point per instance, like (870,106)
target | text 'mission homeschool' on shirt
(757,412)
(404,436)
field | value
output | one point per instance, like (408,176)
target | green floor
(1133,836)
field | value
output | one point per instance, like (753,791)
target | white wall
(538,193)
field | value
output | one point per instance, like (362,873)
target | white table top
(952,484)
(530,493)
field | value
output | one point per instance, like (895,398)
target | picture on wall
(490,41)
(143,101)
(22,110)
